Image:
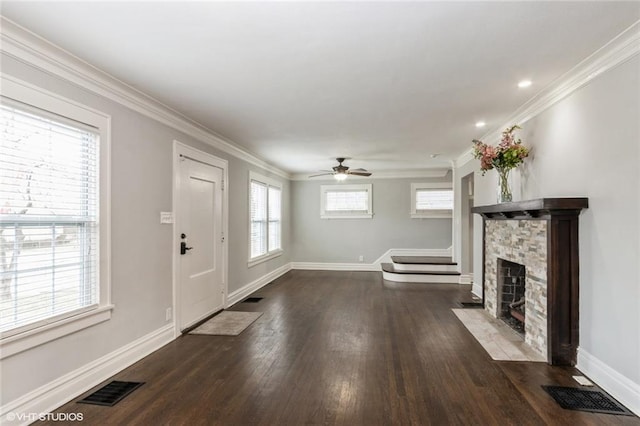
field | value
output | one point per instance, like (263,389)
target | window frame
(268,183)
(26,337)
(434,214)
(324,189)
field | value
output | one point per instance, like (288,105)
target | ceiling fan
(341,172)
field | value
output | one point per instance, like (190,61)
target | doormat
(586,400)
(112,393)
(227,323)
(471,304)
(252,300)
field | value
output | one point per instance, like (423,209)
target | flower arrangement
(509,154)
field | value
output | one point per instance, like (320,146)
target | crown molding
(33,50)
(463,158)
(617,51)
(383,174)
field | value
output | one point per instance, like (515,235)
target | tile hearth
(500,341)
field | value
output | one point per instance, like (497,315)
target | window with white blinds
(265,218)
(49,229)
(430,201)
(275,212)
(346,201)
(258,212)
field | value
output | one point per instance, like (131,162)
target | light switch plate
(166,217)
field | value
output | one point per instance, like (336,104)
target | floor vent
(586,400)
(252,300)
(112,393)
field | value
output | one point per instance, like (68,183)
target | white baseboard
(375,265)
(621,388)
(466,279)
(255,285)
(62,390)
(421,267)
(476,288)
(419,278)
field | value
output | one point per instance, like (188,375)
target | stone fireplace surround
(541,234)
(523,242)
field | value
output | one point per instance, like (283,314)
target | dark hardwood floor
(343,348)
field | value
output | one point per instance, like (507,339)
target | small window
(431,200)
(346,201)
(265,218)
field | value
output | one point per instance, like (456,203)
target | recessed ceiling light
(481,124)
(524,83)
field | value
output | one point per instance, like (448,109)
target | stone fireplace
(521,242)
(541,238)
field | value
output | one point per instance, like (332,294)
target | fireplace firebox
(511,294)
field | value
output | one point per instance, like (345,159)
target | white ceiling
(298,84)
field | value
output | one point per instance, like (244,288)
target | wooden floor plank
(341,348)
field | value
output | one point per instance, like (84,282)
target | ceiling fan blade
(365,173)
(323,174)
(360,170)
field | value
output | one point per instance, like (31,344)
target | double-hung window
(265,218)
(49,218)
(346,201)
(431,200)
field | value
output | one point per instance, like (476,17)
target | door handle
(184,248)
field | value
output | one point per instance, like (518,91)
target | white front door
(199,227)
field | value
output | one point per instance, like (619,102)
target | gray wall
(343,240)
(141,284)
(589,145)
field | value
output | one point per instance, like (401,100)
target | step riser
(423,267)
(422,279)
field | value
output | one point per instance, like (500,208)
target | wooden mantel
(541,208)
(563,266)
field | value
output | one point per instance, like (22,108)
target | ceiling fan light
(340,176)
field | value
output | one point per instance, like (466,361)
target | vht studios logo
(51,417)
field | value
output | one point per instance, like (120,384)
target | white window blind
(258,219)
(48,218)
(274,218)
(431,200)
(265,218)
(346,201)
(434,199)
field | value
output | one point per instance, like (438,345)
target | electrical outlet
(361,258)
(168,314)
